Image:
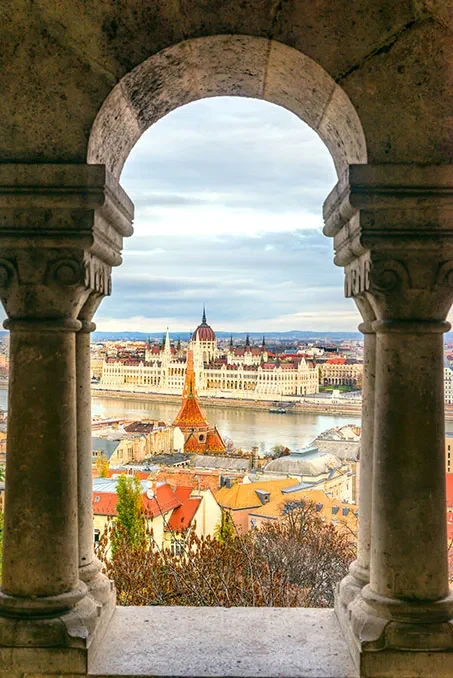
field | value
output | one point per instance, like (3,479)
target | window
(97,536)
(177,547)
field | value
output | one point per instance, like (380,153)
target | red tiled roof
(183,492)
(104,503)
(181,517)
(193,445)
(190,414)
(187,477)
(214,442)
(164,500)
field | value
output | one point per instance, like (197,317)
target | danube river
(246,427)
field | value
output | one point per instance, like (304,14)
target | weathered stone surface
(62,60)
(236,642)
(226,65)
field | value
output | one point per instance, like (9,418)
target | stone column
(99,586)
(40,576)
(359,571)
(61,230)
(409,476)
(392,231)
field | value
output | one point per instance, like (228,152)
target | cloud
(248,282)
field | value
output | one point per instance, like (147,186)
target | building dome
(204,332)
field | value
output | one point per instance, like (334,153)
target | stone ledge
(233,642)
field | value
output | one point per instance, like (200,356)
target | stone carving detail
(98,276)
(8,273)
(386,275)
(365,275)
(357,276)
(67,272)
(444,275)
(51,282)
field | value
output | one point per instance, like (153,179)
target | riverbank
(309,408)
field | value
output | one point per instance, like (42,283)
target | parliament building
(247,372)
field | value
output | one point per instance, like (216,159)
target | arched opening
(225,65)
(240,66)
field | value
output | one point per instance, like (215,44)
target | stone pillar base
(384,647)
(100,587)
(53,645)
(351,585)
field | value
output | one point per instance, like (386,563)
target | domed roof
(204,332)
(309,465)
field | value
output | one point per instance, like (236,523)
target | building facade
(341,372)
(246,372)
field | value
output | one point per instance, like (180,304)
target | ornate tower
(199,436)
(203,343)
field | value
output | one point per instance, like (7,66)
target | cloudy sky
(228,195)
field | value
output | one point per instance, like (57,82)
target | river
(247,428)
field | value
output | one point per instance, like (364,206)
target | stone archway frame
(225,65)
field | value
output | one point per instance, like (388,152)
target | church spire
(203,319)
(231,341)
(167,345)
(247,341)
(190,415)
(264,343)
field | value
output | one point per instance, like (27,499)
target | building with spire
(199,436)
(243,372)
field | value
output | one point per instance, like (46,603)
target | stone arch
(225,65)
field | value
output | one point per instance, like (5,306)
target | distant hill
(291,335)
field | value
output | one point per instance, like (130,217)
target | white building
(236,373)
(448,382)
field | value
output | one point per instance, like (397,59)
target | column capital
(61,231)
(393,234)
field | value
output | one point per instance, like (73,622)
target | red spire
(190,414)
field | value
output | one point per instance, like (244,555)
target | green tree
(102,465)
(225,530)
(129,529)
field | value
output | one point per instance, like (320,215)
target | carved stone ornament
(51,283)
(357,276)
(98,276)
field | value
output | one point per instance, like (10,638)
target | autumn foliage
(294,562)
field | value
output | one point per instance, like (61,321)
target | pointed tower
(199,436)
(190,418)
(167,344)
(204,343)
(247,342)
(264,353)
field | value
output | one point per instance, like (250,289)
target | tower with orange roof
(199,436)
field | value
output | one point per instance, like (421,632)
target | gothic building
(199,436)
(246,372)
